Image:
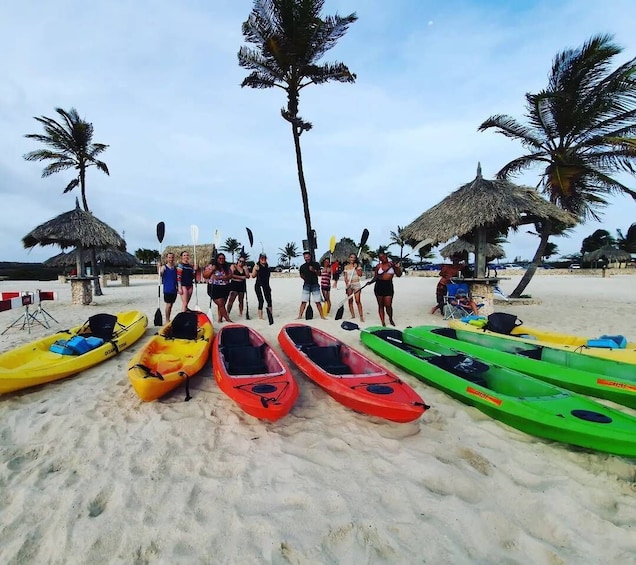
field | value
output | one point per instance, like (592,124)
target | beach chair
(453,310)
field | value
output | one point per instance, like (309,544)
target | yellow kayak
(616,348)
(172,356)
(71,351)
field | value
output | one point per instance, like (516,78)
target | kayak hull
(164,363)
(264,389)
(358,383)
(523,402)
(593,376)
(34,363)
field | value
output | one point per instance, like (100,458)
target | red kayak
(348,376)
(250,372)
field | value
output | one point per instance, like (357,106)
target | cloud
(187,145)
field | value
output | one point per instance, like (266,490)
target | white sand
(90,474)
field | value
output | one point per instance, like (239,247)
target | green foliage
(627,242)
(287,253)
(70,146)
(289,38)
(600,238)
(147,256)
(232,246)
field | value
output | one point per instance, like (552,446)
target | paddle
(341,306)
(309,313)
(250,237)
(363,241)
(161,232)
(194,232)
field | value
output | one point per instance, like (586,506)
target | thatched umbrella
(342,250)
(76,228)
(461,246)
(609,252)
(111,257)
(204,253)
(481,205)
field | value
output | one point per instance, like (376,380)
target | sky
(160,82)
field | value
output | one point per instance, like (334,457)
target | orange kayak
(252,374)
(348,376)
(172,356)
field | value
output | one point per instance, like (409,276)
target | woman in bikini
(352,277)
(238,285)
(384,272)
(219,285)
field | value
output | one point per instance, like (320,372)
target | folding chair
(452,309)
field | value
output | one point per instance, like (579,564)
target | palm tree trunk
(532,268)
(303,188)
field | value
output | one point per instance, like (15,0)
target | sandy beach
(90,474)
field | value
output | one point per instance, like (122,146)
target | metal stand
(29,319)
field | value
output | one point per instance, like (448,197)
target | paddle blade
(332,244)
(270,316)
(158,317)
(347,325)
(339,313)
(365,237)
(161,231)
(247,311)
(217,238)
(309,313)
(194,232)
(250,236)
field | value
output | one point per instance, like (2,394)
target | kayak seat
(302,337)
(102,326)
(244,360)
(184,326)
(531,353)
(328,358)
(445,332)
(462,366)
(231,337)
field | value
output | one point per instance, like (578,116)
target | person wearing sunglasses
(238,284)
(260,272)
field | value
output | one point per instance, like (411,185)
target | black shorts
(383,288)
(169,297)
(216,291)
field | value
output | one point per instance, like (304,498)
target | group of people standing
(226,283)
(311,273)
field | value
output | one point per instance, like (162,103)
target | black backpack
(502,323)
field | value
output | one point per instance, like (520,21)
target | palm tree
(600,238)
(287,253)
(290,39)
(70,147)
(627,242)
(231,245)
(397,239)
(581,130)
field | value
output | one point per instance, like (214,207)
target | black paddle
(161,231)
(340,310)
(309,313)
(341,306)
(247,302)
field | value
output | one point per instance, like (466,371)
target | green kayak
(594,376)
(521,401)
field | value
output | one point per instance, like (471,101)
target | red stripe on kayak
(496,401)
(614,384)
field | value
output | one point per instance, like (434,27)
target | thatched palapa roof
(342,250)
(481,205)
(463,246)
(76,228)
(108,257)
(609,252)
(205,252)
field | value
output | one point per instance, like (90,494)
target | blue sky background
(160,82)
